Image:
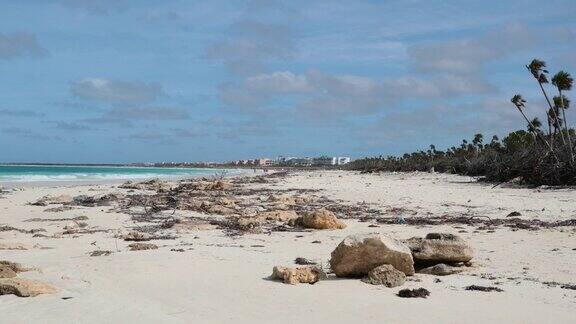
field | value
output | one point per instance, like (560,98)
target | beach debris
(47,200)
(385,275)
(414,293)
(297,275)
(136,236)
(37,219)
(100,200)
(190,224)
(58,209)
(98,253)
(568,286)
(483,288)
(440,248)
(514,214)
(319,219)
(357,254)
(7,272)
(12,246)
(74,227)
(440,269)
(22,287)
(154,184)
(304,261)
(142,246)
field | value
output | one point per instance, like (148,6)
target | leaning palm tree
(538,71)
(534,127)
(520,104)
(563,82)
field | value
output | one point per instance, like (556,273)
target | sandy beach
(208,273)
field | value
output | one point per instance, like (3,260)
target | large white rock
(440,248)
(357,254)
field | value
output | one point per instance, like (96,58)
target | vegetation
(533,156)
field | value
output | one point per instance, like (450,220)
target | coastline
(221,278)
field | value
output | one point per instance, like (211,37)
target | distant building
(324,161)
(264,162)
(341,160)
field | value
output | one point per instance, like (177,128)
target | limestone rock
(357,254)
(297,275)
(7,272)
(16,267)
(385,275)
(440,248)
(322,219)
(278,215)
(22,287)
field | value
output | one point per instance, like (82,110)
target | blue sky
(124,81)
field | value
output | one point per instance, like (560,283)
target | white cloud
(116,91)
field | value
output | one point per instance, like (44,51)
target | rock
(514,214)
(357,254)
(385,275)
(414,293)
(278,215)
(293,276)
(7,272)
(440,248)
(142,246)
(303,261)
(47,200)
(16,267)
(322,219)
(136,236)
(22,287)
(248,224)
(440,269)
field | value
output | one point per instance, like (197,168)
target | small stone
(385,275)
(414,293)
(294,276)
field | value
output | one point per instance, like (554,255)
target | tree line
(536,155)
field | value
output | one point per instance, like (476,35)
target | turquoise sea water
(35,173)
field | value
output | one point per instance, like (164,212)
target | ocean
(45,173)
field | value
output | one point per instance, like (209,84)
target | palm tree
(536,123)
(563,82)
(536,67)
(520,104)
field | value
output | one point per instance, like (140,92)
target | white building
(341,160)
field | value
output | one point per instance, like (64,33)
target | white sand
(223,279)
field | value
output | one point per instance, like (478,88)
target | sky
(119,81)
